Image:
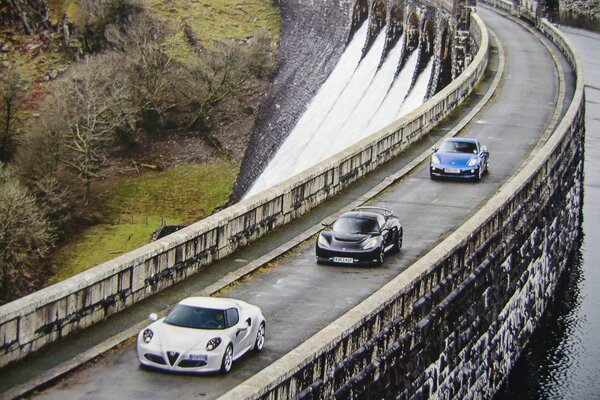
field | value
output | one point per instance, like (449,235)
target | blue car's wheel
(479,173)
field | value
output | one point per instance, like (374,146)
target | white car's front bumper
(153,355)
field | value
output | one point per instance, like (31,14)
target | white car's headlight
(435,160)
(473,161)
(213,344)
(323,242)
(369,244)
(147,336)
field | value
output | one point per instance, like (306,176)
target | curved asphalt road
(299,297)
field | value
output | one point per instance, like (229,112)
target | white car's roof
(218,303)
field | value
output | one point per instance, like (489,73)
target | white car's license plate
(452,171)
(200,357)
(347,260)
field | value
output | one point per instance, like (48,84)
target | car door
(386,230)
(241,332)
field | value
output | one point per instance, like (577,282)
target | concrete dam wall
(453,324)
(31,322)
(398,45)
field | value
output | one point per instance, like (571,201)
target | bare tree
(217,74)
(90,105)
(25,239)
(147,53)
(12,87)
(96,17)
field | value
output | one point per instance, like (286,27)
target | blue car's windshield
(196,317)
(458,147)
(354,225)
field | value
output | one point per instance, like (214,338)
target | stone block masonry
(54,312)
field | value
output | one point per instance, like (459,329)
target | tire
(398,243)
(259,343)
(479,173)
(400,239)
(381,255)
(227,361)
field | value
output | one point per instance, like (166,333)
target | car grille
(172,356)
(155,358)
(192,363)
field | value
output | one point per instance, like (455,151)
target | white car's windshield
(458,147)
(196,317)
(354,225)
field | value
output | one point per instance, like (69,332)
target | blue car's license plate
(452,171)
(347,260)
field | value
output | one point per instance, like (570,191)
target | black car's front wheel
(398,243)
(381,255)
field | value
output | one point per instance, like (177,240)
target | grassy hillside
(129,208)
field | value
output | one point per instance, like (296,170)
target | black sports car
(361,236)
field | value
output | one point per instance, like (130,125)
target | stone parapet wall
(453,324)
(54,312)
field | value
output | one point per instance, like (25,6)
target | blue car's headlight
(435,160)
(370,243)
(323,242)
(473,162)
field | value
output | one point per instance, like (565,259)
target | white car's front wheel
(227,360)
(259,343)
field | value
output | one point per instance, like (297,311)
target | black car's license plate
(346,260)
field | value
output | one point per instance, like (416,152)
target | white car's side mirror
(153,317)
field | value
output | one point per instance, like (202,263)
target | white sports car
(202,334)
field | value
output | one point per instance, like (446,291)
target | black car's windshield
(355,225)
(458,147)
(196,317)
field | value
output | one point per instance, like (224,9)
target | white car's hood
(175,338)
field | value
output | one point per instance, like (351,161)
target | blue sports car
(459,158)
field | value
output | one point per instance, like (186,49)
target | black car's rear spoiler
(386,212)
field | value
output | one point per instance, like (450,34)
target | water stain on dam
(383,68)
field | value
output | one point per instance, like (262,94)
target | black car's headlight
(213,344)
(473,162)
(323,242)
(370,243)
(435,160)
(147,336)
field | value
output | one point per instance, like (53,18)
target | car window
(232,317)
(356,225)
(458,147)
(196,317)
